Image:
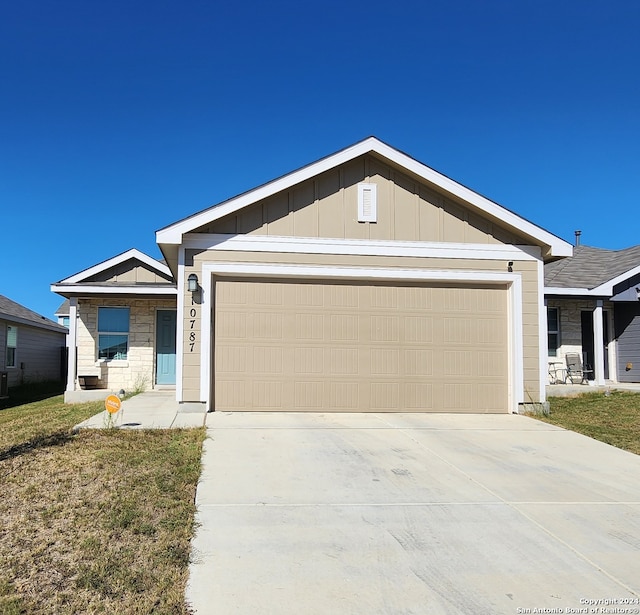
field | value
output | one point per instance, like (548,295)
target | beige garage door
(359,347)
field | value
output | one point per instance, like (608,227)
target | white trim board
(117,260)
(313,245)
(607,287)
(173,234)
(84,289)
(552,290)
(511,281)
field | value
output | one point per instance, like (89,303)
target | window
(113,332)
(65,321)
(553,330)
(12,344)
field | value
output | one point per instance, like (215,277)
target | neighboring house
(593,308)
(365,281)
(32,346)
(62,314)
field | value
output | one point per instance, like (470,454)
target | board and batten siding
(326,207)
(129,272)
(38,354)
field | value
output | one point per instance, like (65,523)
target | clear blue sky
(120,117)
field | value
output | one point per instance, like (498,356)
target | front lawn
(613,418)
(93,522)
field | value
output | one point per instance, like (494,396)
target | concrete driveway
(412,513)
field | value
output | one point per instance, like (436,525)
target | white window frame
(555,332)
(14,348)
(120,333)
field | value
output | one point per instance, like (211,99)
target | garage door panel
(358,347)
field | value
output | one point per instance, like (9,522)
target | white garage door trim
(512,281)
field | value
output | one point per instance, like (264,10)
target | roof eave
(75,290)
(553,247)
(50,326)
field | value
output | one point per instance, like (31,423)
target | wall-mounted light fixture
(192,283)
(510,267)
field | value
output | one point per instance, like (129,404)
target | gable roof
(14,312)
(63,310)
(591,270)
(80,282)
(171,236)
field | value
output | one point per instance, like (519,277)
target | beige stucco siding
(527,269)
(138,370)
(327,205)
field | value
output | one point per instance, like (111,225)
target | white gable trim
(85,289)
(553,290)
(117,260)
(313,245)
(173,234)
(607,287)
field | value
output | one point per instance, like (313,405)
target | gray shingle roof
(589,267)
(63,310)
(12,311)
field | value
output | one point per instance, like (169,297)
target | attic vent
(367,203)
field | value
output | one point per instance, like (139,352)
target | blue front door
(166,347)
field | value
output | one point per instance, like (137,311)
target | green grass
(612,418)
(94,522)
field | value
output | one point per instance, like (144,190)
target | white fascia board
(313,245)
(552,290)
(117,260)
(607,287)
(558,247)
(86,289)
(173,234)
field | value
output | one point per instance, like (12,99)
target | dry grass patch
(97,522)
(613,418)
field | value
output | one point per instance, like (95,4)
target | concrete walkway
(411,513)
(148,410)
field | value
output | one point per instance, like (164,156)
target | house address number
(193,338)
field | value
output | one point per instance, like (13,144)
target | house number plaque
(193,312)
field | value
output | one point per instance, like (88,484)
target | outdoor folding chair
(575,370)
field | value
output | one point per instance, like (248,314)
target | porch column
(598,350)
(73,342)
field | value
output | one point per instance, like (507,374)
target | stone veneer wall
(571,324)
(138,370)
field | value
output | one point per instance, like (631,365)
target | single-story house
(365,281)
(593,309)
(32,346)
(122,320)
